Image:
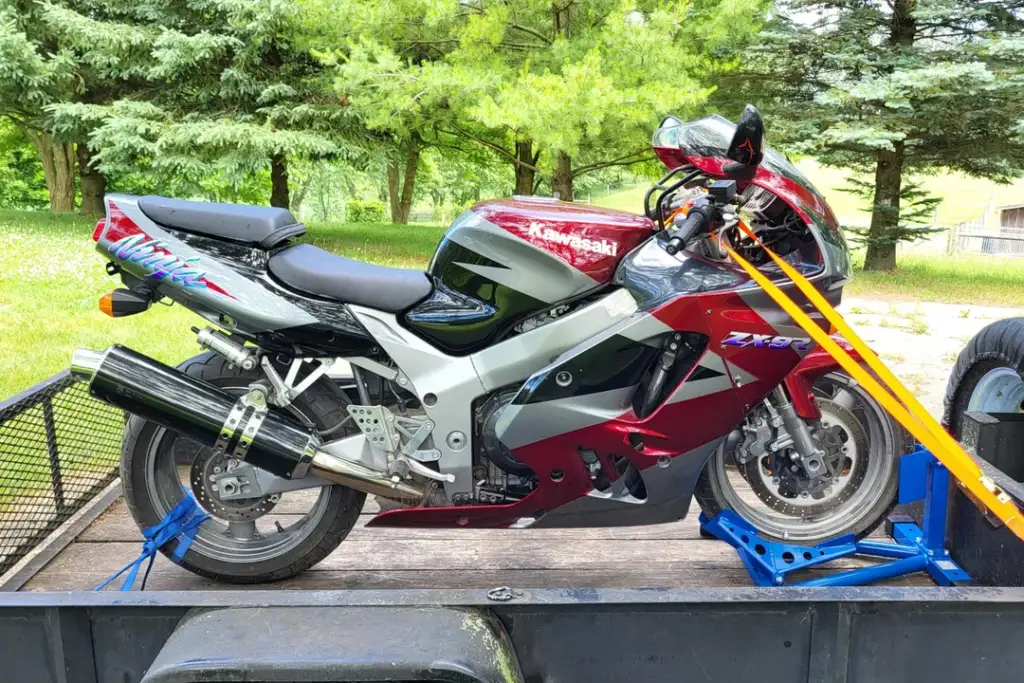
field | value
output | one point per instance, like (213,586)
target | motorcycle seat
(314,271)
(262,226)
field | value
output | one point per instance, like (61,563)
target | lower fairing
(669,492)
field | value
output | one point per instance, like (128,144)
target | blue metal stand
(913,548)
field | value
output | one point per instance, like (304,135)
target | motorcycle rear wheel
(243,543)
(724,486)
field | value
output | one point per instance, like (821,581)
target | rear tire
(324,406)
(988,374)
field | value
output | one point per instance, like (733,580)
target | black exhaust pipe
(266,439)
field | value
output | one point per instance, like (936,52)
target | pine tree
(895,87)
(227,89)
(35,72)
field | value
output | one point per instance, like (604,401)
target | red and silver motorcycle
(557,365)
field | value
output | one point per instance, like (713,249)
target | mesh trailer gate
(59,451)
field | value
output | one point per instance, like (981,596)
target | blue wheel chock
(913,548)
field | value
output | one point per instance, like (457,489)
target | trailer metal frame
(819,635)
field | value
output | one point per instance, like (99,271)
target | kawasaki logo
(574,241)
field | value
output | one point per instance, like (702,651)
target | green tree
(225,91)
(35,72)
(22,185)
(559,87)
(894,87)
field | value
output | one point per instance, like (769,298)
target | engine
(498,476)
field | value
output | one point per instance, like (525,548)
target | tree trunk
(279,181)
(393,190)
(412,162)
(300,196)
(561,181)
(885,214)
(400,190)
(525,174)
(58,160)
(93,182)
(885,211)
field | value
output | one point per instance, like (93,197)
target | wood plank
(439,562)
(176,578)
(86,565)
(506,551)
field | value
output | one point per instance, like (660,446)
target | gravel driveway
(920,341)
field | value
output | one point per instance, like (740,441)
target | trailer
(646,604)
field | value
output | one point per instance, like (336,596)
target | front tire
(857,511)
(152,481)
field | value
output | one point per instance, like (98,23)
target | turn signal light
(107,304)
(122,302)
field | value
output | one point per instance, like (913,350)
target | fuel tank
(505,260)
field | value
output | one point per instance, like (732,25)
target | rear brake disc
(204,466)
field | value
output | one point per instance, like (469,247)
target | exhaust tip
(86,363)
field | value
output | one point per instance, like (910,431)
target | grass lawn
(978,280)
(51,279)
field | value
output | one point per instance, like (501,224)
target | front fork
(795,406)
(798,434)
(800,382)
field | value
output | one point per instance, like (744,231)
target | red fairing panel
(590,239)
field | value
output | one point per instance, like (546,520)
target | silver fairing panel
(191,277)
(456,381)
(669,492)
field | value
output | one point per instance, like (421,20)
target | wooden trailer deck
(667,556)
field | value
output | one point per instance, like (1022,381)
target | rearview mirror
(748,141)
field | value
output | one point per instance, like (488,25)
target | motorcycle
(557,365)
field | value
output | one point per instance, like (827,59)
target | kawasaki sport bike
(556,365)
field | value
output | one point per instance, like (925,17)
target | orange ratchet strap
(907,410)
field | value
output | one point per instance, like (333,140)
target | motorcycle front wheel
(866,446)
(249,540)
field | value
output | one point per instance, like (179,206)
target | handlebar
(695,223)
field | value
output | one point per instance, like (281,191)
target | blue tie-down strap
(181,523)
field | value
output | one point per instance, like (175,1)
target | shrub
(370,211)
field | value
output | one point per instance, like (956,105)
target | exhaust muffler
(242,427)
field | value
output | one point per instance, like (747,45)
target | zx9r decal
(766,341)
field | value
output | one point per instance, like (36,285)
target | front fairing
(703,144)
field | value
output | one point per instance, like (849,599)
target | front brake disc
(847,459)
